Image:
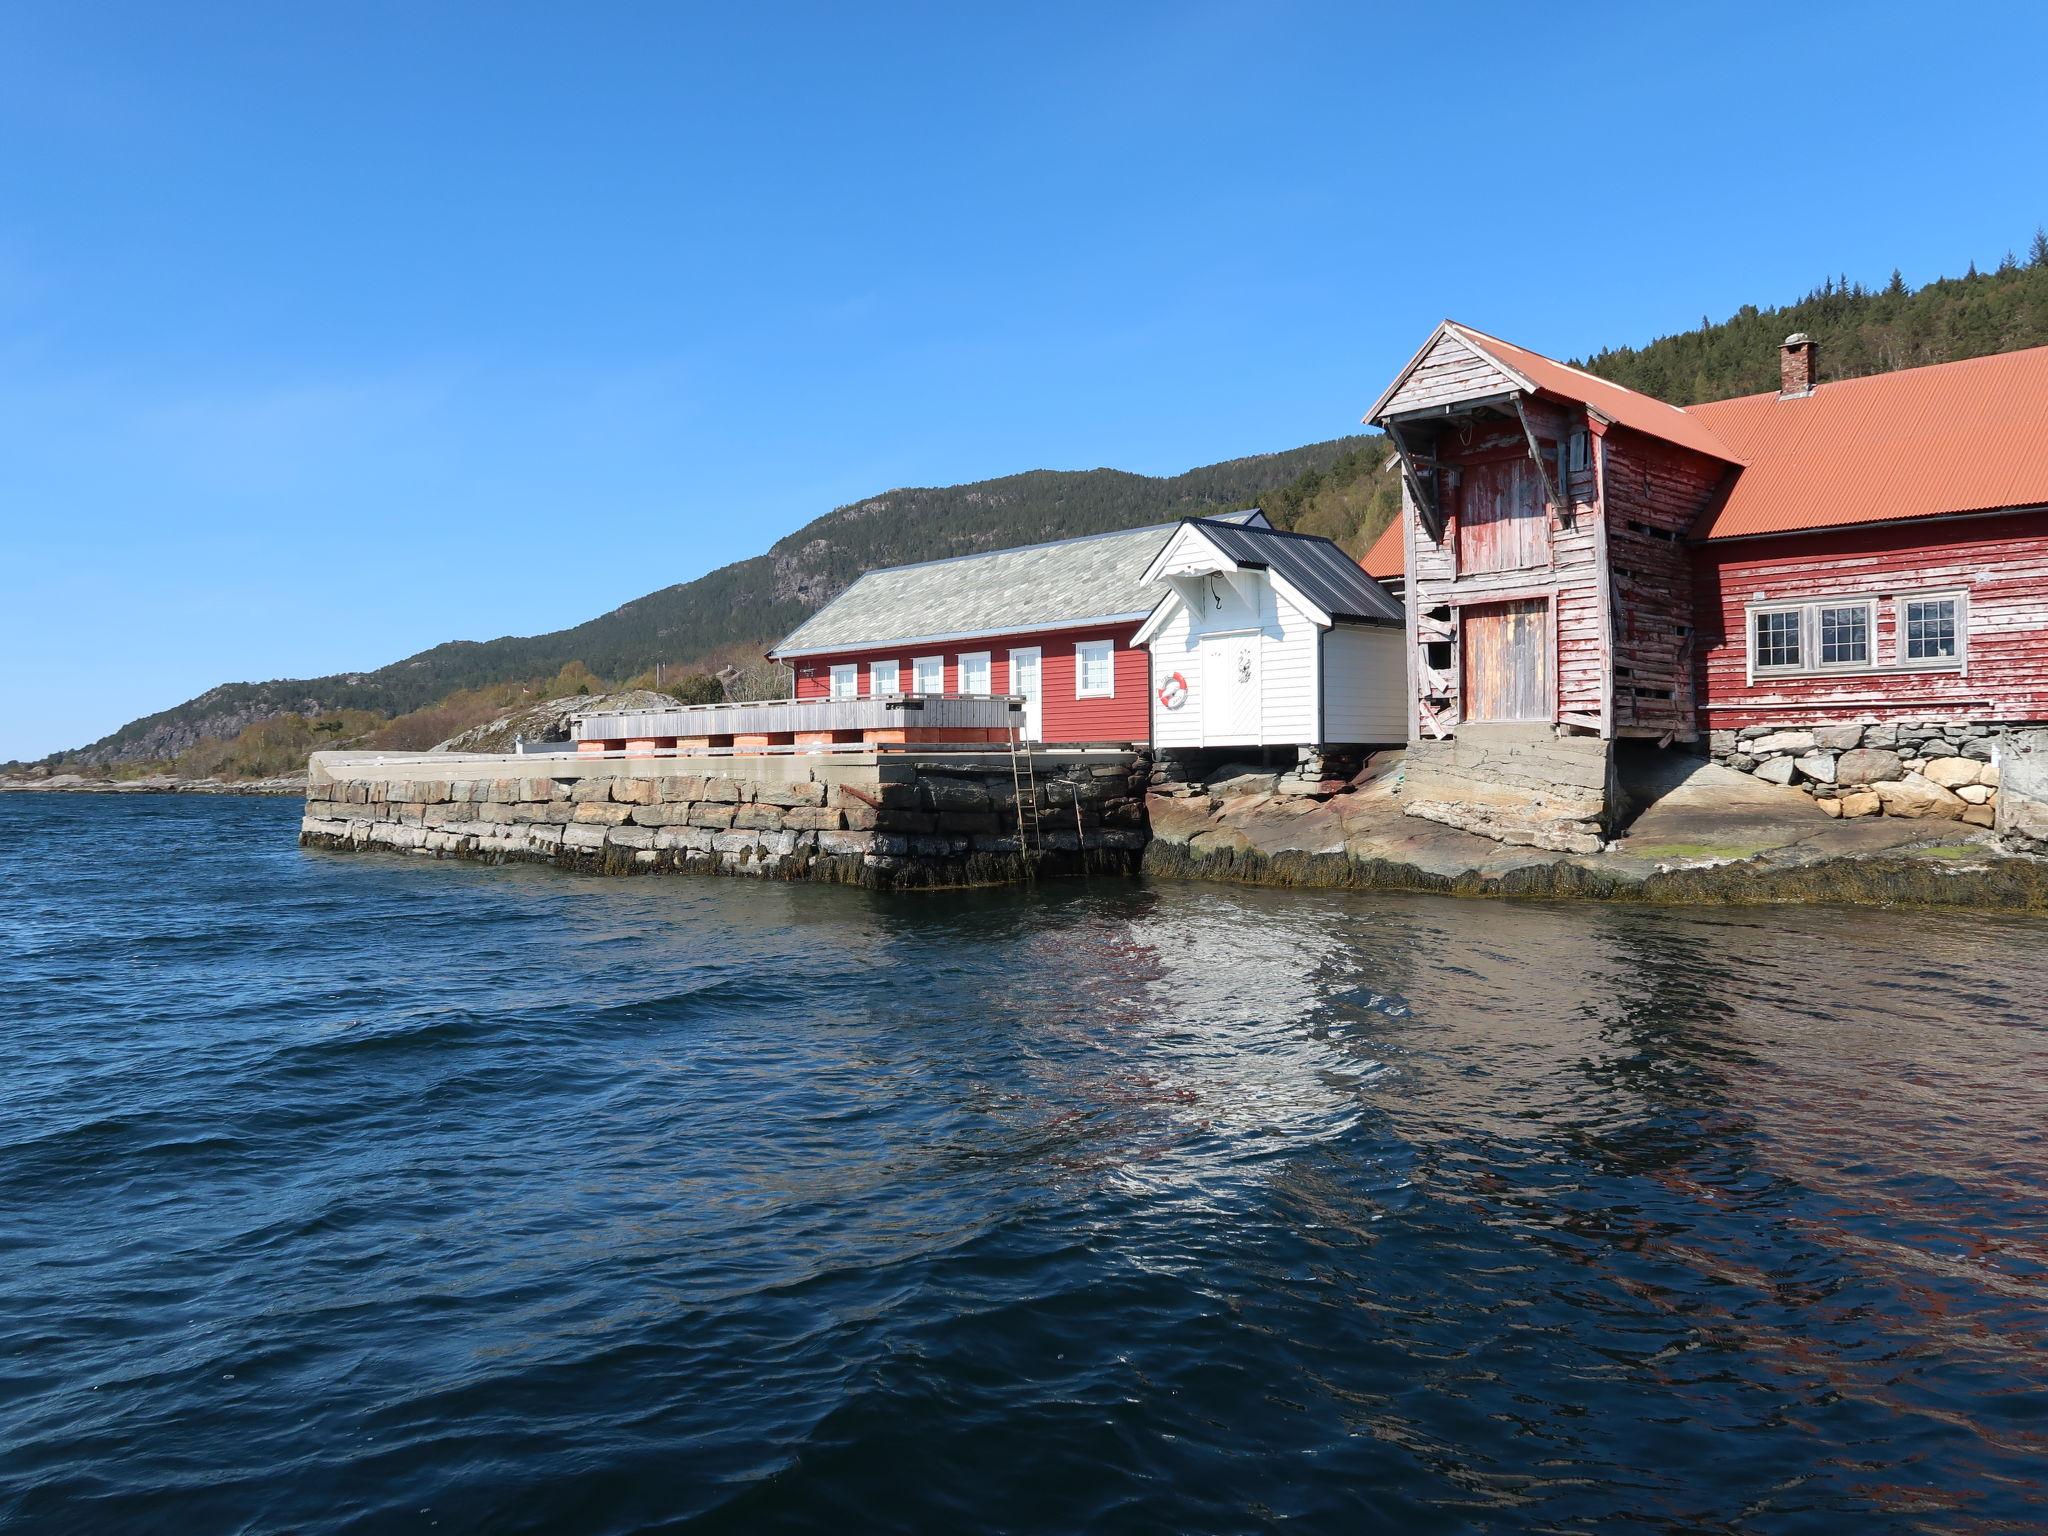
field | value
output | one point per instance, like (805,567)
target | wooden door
(1506,650)
(1503,520)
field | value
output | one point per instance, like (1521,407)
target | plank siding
(1451,372)
(1562,567)
(1123,717)
(1655,493)
(1999,563)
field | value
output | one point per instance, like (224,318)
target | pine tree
(1896,288)
(2010,263)
(2038,255)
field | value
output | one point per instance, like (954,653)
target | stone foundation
(1948,769)
(882,822)
(1515,783)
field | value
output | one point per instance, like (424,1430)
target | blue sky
(331,332)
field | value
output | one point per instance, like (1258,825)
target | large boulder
(1868,765)
(1818,766)
(1916,797)
(1951,772)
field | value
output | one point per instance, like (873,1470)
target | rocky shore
(1708,834)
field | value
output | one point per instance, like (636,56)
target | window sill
(1805,674)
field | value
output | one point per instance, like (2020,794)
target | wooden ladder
(1024,778)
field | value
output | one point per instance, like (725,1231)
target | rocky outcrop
(1520,784)
(1706,835)
(548,721)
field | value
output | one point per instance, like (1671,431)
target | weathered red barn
(1854,566)
(1052,623)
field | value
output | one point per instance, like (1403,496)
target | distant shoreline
(77,784)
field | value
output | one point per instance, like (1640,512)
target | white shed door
(1230,690)
(1024,680)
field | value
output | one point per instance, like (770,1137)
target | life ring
(1173,692)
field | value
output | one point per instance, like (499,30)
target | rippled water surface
(359,1193)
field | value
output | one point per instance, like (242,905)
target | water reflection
(345,1188)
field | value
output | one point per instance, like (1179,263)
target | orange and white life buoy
(1173,692)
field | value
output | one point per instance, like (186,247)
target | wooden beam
(1536,454)
(1426,506)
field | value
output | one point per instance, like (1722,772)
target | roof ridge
(1571,368)
(1009,549)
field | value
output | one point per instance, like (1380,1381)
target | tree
(1896,288)
(2038,255)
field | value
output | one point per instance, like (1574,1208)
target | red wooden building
(1827,566)
(1053,623)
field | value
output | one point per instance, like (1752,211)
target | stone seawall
(886,822)
(1944,769)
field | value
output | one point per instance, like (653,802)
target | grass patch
(1688,851)
(1948,851)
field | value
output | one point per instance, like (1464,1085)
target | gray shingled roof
(1006,591)
(1315,567)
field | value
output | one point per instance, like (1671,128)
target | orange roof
(1387,559)
(1627,407)
(1970,436)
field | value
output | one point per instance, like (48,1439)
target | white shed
(1268,639)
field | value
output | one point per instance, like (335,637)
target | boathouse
(1841,585)
(1053,624)
(1266,638)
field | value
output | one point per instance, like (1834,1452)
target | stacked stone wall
(902,825)
(1940,768)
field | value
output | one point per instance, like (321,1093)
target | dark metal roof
(1315,567)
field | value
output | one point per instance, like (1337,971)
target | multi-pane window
(1927,629)
(846,681)
(928,674)
(974,672)
(1094,670)
(884,678)
(1923,632)
(1845,635)
(1776,637)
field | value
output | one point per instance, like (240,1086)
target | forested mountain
(1861,331)
(740,608)
(1340,489)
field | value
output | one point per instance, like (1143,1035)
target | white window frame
(1777,669)
(919,665)
(894,672)
(1082,651)
(1820,663)
(846,673)
(1809,609)
(986,661)
(1956,663)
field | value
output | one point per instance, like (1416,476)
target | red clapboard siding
(2000,562)
(1125,717)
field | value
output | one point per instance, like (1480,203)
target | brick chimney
(1798,366)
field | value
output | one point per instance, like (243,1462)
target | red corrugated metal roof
(1970,436)
(1386,560)
(1643,413)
